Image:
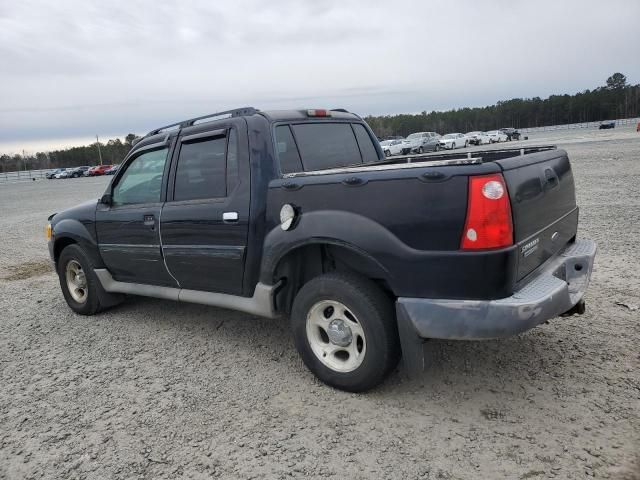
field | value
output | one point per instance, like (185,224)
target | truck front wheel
(345,331)
(80,285)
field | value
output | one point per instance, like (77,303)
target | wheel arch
(304,261)
(68,232)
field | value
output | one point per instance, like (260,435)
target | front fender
(70,230)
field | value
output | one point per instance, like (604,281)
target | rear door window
(201,171)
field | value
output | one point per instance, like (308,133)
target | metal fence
(23,176)
(570,126)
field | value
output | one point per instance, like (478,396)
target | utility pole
(24,160)
(99,152)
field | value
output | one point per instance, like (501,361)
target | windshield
(450,135)
(386,142)
(414,135)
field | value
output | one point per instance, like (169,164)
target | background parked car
(78,171)
(393,147)
(64,173)
(497,136)
(112,170)
(477,138)
(607,124)
(97,170)
(52,174)
(512,133)
(421,142)
(453,140)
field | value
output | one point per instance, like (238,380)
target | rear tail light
(318,113)
(489,223)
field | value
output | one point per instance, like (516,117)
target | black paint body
(406,223)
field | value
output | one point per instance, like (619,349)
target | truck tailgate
(545,215)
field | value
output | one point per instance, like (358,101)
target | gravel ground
(154,389)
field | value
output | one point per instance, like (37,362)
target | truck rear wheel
(345,331)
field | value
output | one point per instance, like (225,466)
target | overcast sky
(73,69)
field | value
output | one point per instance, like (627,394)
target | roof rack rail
(236,112)
(340,110)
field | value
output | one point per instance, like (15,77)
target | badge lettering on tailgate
(530,247)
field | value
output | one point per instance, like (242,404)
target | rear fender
(359,236)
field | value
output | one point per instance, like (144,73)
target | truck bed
(419,204)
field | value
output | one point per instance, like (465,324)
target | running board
(260,304)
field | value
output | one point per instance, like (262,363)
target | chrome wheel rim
(336,336)
(76,281)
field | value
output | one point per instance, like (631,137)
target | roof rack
(237,112)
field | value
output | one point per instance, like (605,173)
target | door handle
(149,220)
(230,217)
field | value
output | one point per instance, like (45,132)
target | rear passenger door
(204,223)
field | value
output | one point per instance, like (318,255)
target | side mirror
(106,199)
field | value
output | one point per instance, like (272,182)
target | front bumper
(556,287)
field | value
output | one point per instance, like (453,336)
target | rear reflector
(489,223)
(319,113)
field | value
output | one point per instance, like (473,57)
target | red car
(98,170)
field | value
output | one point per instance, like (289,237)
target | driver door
(128,228)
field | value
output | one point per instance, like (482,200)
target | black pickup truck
(298,213)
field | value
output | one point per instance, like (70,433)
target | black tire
(466,144)
(453,146)
(420,150)
(437,149)
(387,153)
(373,312)
(92,304)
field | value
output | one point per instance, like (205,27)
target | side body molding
(261,303)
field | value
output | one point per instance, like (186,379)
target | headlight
(287,216)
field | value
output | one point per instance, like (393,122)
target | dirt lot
(154,389)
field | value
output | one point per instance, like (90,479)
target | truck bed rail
(429,160)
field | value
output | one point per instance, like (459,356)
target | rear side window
(326,145)
(201,171)
(232,161)
(367,149)
(287,150)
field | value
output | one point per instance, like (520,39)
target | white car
(63,174)
(393,147)
(496,136)
(453,140)
(477,138)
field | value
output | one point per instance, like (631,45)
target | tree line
(112,152)
(616,99)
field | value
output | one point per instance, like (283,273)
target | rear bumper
(555,288)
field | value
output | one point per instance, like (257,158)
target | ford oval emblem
(555,236)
